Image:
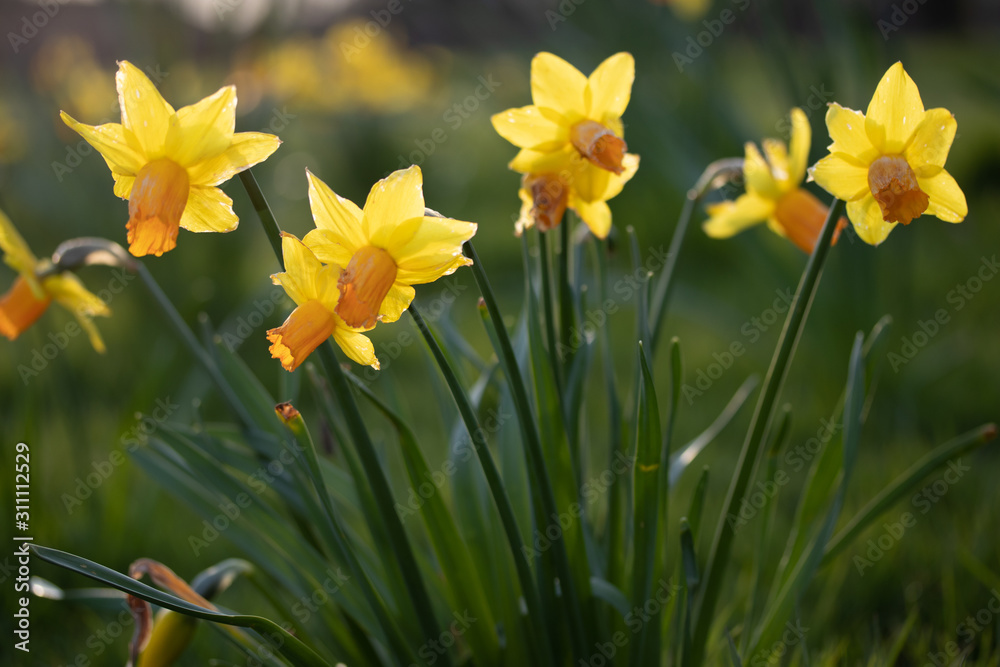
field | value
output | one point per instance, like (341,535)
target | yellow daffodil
(773,193)
(386,248)
(313,287)
(888,163)
(573,151)
(169,163)
(30,296)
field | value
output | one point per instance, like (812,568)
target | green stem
(533,450)
(402,551)
(725,168)
(555,345)
(297,426)
(536,619)
(264,212)
(719,555)
(191,341)
(567,318)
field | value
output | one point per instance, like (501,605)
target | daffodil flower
(888,163)
(30,296)
(573,151)
(312,285)
(169,163)
(773,193)
(386,248)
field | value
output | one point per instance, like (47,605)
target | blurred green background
(355,91)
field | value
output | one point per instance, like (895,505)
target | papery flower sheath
(29,297)
(169,163)
(888,163)
(386,248)
(573,151)
(312,285)
(773,192)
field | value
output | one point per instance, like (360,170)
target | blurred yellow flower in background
(888,164)
(773,193)
(169,163)
(573,151)
(313,287)
(386,248)
(29,297)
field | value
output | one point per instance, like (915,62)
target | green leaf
(290,647)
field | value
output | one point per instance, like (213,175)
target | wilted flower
(386,248)
(169,163)
(888,164)
(313,287)
(30,295)
(773,193)
(573,151)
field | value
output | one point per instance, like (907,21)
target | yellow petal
(527,127)
(630,163)
(557,85)
(356,346)
(798,147)
(245,150)
(947,201)
(69,292)
(609,87)
(204,129)
(396,301)
(144,111)
(301,269)
(731,217)
(111,142)
(529,161)
(757,174)
(847,129)
(123,185)
(842,176)
(894,112)
(395,199)
(931,141)
(596,215)
(209,209)
(435,250)
(17,254)
(327,247)
(340,217)
(866,217)
(589,181)
(776,154)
